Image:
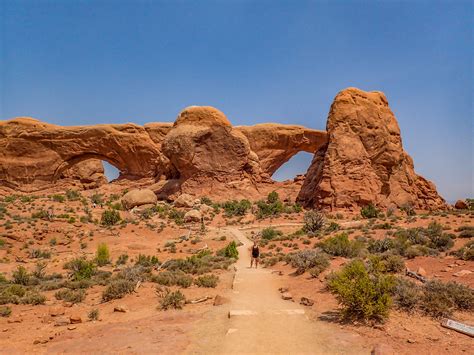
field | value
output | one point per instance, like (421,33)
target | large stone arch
(275,144)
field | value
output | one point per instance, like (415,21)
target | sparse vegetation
(369,211)
(172,300)
(73,296)
(110,217)
(340,245)
(102,256)
(310,259)
(361,295)
(313,222)
(207,281)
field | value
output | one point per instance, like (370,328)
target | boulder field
(358,160)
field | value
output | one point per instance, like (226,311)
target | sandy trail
(264,322)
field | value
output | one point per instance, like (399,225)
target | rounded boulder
(137,197)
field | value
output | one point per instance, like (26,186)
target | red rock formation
(364,161)
(201,144)
(89,173)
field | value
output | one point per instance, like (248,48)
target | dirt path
(262,322)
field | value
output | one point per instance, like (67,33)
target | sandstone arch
(275,144)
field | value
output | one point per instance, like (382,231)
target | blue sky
(87,62)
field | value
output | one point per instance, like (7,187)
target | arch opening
(298,164)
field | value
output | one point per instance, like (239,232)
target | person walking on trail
(255,254)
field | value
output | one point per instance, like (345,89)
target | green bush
(230,251)
(34,298)
(273,197)
(236,208)
(110,217)
(147,260)
(313,222)
(58,198)
(73,195)
(81,269)
(340,245)
(118,289)
(21,276)
(102,256)
(173,278)
(269,209)
(177,216)
(73,296)
(172,300)
(122,259)
(362,296)
(207,281)
(200,264)
(270,233)
(308,259)
(369,211)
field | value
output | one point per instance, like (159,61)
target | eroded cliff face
(364,161)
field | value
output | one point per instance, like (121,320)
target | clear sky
(74,62)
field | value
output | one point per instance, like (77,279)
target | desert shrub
(270,233)
(273,197)
(58,198)
(313,222)
(118,289)
(73,296)
(34,298)
(385,263)
(173,278)
(21,276)
(308,259)
(73,195)
(98,199)
(230,251)
(369,211)
(207,281)
(41,214)
(39,271)
(102,256)
(177,216)
(394,263)
(3,279)
(39,254)
(340,245)
(408,209)
(406,295)
(436,300)
(200,264)
(122,259)
(147,260)
(80,268)
(236,208)
(110,217)
(5,311)
(333,226)
(362,296)
(172,300)
(380,246)
(269,209)
(441,299)
(467,233)
(467,251)
(206,201)
(93,314)
(382,226)
(12,294)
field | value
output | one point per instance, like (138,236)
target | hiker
(255,254)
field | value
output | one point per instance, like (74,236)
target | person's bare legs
(251,262)
(256,263)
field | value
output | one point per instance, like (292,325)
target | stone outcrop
(364,161)
(89,173)
(137,197)
(201,144)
